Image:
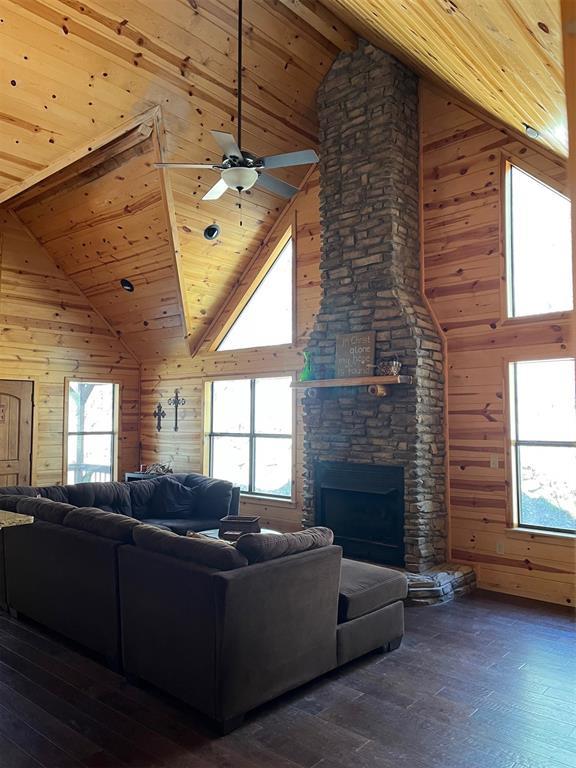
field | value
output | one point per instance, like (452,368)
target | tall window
(539,247)
(92,435)
(251,434)
(543,432)
(266,319)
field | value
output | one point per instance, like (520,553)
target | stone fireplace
(370,274)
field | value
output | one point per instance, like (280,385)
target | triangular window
(266,320)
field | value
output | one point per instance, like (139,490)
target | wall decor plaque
(355,354)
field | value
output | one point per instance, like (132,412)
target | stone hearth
(370,273)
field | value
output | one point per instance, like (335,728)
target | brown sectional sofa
(214,499)
(223,628)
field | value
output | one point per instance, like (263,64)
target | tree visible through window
(266,320)
(543,430)
(91,432)
(251,434)
(539,247)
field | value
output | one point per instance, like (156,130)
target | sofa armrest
(276,627)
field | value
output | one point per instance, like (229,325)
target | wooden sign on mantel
(355,354)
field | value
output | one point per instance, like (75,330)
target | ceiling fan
(241,170)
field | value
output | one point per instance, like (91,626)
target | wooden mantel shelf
(377,385)
(357,381)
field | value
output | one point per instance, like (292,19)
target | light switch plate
(494,461)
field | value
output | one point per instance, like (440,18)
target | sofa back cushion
(258,547)
(214,496)
(44,509)
(109,525)
(53,492)
(174,500)
(111,497)
(141,492)
(212,553)
(9,502)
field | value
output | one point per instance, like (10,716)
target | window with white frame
(543,442)
(250,434)
(91,441)
(539,246)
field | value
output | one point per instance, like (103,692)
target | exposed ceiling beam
(324,21)
(129,133)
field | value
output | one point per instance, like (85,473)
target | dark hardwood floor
(483,682)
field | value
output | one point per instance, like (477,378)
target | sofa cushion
(111,497)
(181,525)
(365,588)
(109,525)
(141,493)
(44,509)
(213,553)
(258,547)
(214,495)
(172,499)
(9,502)
(53,492)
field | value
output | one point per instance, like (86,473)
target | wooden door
(15,432)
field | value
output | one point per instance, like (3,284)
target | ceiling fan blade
(216,191)
(227,144)
(186,165)
(276,186)
(304,157)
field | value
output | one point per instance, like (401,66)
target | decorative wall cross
(159,415)
(176,401)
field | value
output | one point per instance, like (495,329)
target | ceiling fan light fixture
(240,178)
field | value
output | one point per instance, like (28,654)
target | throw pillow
(258,547)
(172,499)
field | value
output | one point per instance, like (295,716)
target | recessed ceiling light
(127,285)
(211,232)
(530,131)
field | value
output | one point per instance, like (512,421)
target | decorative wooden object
(159,414)
(176,401)
(355,354)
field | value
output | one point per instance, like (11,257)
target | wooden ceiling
(73,71)
(503,55)
(103,219)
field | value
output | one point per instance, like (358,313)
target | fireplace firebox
(364,505)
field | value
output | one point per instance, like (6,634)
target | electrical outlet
(494,461)
(499,547)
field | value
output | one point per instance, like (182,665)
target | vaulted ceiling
(103,219)
(503,55)
(73,73)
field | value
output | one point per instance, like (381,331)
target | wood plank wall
(463,157)
(49,332)
(184,449)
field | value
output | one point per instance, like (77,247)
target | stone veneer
(370,269)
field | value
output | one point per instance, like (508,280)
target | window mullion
(252,481)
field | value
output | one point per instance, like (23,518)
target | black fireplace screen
(364,506)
